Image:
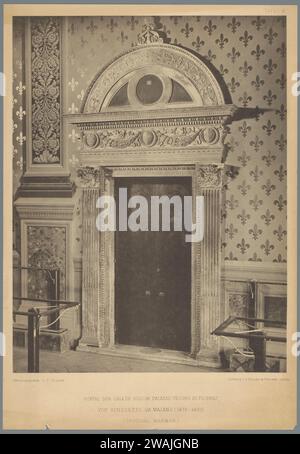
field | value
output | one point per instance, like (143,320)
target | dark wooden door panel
(153,277)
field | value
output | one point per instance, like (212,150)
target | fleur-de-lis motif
(245,99)
(268,187)
(244,129)
(20,113)
(256,203)
(281,112)
(20,163)
(244,217)
(21,138)
(233,84)
(270,36)
(73,109)
(198,43)
(243,246)
(221,41)
(122,37)
(232,144)
(73,84)
(233,55)
(73,135)
(231,256)
(234,24)
(279,259)
(255,258)
(72,29)
(186,30)
(92,27)
(269,97)
(281,143)
(280,233)
(257,83)
(280,203)
(210,55)
(111,25)
(270,66)
(232,203)
(267,247)
(269,127)
(245,69)
(281,81)
(244,187)
(231,231)
(268,158)
(73,161)
(83,41)
(258,52)
(210,27)
(280,173)
(80,95)
(258,22)
(20,88)
(243,158)
(256,173)
(282,50)
(245,38)
(223,70)
(256,143)
(268,217)
(132,22)
(175,19)
(255,232)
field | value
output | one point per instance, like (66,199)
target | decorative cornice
(49,209)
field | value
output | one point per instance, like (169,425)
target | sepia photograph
(152,173)
(159,108)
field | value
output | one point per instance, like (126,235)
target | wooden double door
(153,275)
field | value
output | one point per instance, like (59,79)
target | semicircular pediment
(169,61)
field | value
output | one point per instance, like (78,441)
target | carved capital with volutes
(91,177)
(209,176)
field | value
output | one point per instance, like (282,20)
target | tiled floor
(78,361)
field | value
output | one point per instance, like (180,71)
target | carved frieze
(163,137)
(45,86)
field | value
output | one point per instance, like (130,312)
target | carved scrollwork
(45,61)
(209,176)
(179,136)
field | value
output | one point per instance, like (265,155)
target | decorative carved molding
(210,176)
(164,55)
(180,136)
(45,84)
(149,35)
(54,208)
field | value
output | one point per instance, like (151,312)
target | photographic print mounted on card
(150,202)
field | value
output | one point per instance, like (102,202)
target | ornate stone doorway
(157,111)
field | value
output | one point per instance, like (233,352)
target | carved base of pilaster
(209,357)
(46,186)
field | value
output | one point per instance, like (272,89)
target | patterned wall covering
(250,54)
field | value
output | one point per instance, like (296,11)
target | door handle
(161,294)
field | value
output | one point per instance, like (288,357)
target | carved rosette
(45,87)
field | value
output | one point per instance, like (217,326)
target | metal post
(258,344)
(33,340)
(54,294)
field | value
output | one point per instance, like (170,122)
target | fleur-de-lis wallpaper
(249,53)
